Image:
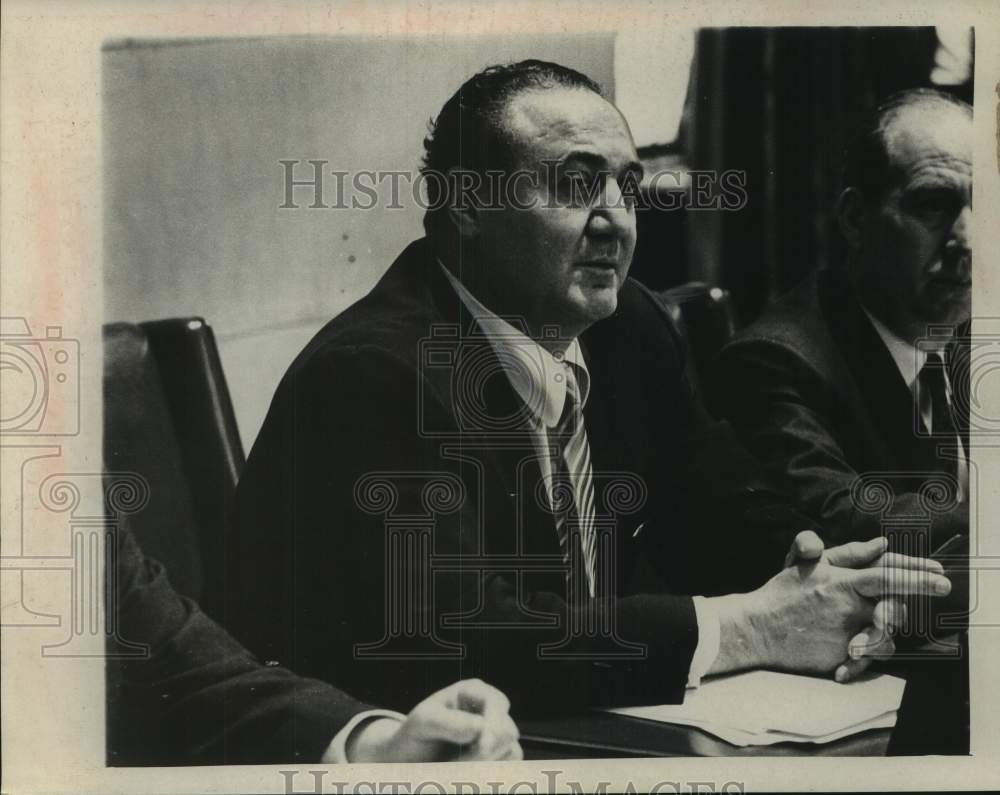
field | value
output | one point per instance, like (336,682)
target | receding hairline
(925,109)
(502,127)
(867,164)
(921,120)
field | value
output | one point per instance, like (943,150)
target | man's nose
(960,236)
(613,214)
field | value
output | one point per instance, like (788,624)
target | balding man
(850,372)
(857,379)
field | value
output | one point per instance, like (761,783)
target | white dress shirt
(538,378)
(336,751)
(910,360)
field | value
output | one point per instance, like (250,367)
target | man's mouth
(954,288)
(952,282)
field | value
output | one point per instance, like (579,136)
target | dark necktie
(931,379)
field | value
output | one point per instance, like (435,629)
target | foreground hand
(875,641)
(467,720)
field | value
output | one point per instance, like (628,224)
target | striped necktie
(574,511)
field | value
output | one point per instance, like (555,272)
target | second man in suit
(863,368)
(853,388)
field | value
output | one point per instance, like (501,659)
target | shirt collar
(538,377)
(909,358)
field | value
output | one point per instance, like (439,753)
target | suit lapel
(513,486)
(883,393)
(520,486)
(493,425)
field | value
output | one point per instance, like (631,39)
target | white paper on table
(765,707)
(744,738)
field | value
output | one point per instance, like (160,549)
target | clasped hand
(828,611)
(865,586)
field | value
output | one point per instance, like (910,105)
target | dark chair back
(706,320)
(168,417)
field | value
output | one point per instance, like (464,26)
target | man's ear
(851,216)
(463,210)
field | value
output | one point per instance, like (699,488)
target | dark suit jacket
(816,396)
(309,573)
(199,697)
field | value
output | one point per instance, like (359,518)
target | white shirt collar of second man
(909,358)
(538,376)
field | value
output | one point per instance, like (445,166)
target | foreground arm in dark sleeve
(199,697)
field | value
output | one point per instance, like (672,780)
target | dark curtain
(779,104)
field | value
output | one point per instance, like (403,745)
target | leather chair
(705,317)
(168,417)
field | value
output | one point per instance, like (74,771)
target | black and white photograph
(499,397)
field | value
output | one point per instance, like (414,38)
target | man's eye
(578,187)
(934,204)
(576,179)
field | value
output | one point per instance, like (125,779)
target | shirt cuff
(336,752)
(709,632)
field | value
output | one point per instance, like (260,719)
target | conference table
(603,735)
(933,718)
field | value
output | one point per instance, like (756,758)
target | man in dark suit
(852,390)
(198,697)
(840,376)
(494,464)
